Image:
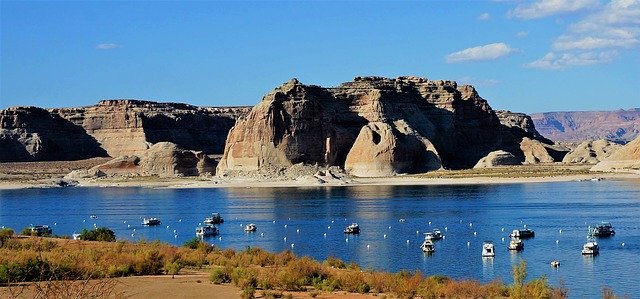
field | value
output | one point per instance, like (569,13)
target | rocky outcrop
(128,127)
(371,126)
(498,158)
(521,124)
(620,126)
(34,134)
(625,159)
(111,128)
(591,152)
(383,149)
(163,159)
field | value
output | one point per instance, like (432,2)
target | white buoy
(384,236)
(220,238)
(261,234)
(468,244)
(175,236)
(407,241)
(289,218)
(470,224)
(475,233)
(241,225)
(560,231)
(417,232)
(297,230)
(429,223)
(389,226)
(345,219)
(329,227)
(167,226)
(83,220)
(444,237)
(179,220)
(285,226)
(368,246)
(622,244)
(557,241)
(55,223)
(503,229)
(346,240)
(445,228)
(134,229)
(331,221)
(124,221)
(199,223)
(128,225)
(285,239)
(132,235)
(174,231)
(502,239)
(274,221)
(292,245)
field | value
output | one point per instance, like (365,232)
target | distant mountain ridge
(575,126)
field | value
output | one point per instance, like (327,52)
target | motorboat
(590,248)
(488,249)
(429,236)
(437,234)
(522,233)
(354,228)
(602,229)
(555,263)
(151,221)
(206,230)
(516,244)
(93,216)
(215,218)
(41,230)
(428,246)
(250,227)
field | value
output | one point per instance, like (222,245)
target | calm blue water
(304,215)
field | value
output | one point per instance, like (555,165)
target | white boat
(602,229)
(41,230)
(354,228)
(214,219)
(76,236)
(206,230)
(522,233)
(516,244)
(427,246)
(437,234)
(150,221)
(487,249)
(555,263)
(250,228)
(590,248)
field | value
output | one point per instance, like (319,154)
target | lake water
(309,221)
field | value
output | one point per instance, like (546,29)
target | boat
(354,228)
(555,263)
(214,219)
(437,234)
(427,246)
(93,216)
(206,230)
(516,244)
(76,236)
(522,233)
(488,249)
(41,230)
(250,227)
(429,236)
(602,229)
(150,221)
(590,248)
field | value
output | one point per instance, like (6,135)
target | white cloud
(109,46)
(478,82)
(544,8)
(553,61)
(596,38)
(522,34)
(484,17)
(481,53)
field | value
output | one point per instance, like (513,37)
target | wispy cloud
(108,46)
(484,17)
(480,53)
(545,8)
(478,82)
(553,61)
(522,34)
(597,38)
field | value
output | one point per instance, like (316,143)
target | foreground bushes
(36,259)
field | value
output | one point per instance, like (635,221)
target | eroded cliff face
(32,134)
(129,127)
(111,128)
(620,126)
(372,126)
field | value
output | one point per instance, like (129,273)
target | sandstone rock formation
(521,124)
(591,152)
(383,149)
(163,159)
(625,159)
(498,158)
(32,134)
(372,126)
(111,128)
(620,126)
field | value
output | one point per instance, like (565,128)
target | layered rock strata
(625,159)
(372,126)
(591,152)
(620,126)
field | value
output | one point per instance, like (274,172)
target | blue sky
(525,56)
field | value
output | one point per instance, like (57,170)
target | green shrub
(193,243)
(102,234)
(219,276)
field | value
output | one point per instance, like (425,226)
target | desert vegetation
(30,259)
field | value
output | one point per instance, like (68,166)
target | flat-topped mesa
(128,127)
(372,126)
(32,133)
